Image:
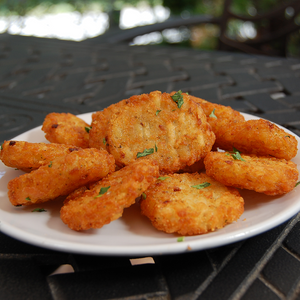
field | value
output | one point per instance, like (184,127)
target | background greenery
(202,36)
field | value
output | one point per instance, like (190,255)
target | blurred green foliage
(203,36)
(22,7)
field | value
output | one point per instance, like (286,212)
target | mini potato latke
(92,209)
(268,175)
(176,137)
(174,204)
(65,128)
(60,177)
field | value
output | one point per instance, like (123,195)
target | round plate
(133,234)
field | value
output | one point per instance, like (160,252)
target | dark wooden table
(39,76)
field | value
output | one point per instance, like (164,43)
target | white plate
(133,234)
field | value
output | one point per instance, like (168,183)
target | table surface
(39,76)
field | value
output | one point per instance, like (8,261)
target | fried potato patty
(27,156)
(153,124)
(260,137)
(268,175)
(177,203)
(221,118)
(100,122)
(65,128)
(61,177)
(107,199)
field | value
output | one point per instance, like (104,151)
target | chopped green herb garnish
(144,196)
(180,239)
(1,147)
(104,141)
(201,185)
(297,183)
(50,165)
(235,154)
(163,178)
(38,210)
(145,152)
(287,136)
(212,114)
(157,112)
(103,190)
(28,199)
(178,98)
(187,93)
(87,129)
(155,148)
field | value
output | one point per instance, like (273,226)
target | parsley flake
(144,196)
(212,114)
(157,112)
(38,210)
(178,98)
(163,178)
(297,183)
(236,154)
(103,190)
(28,199)
(155,148)
(180,239)
(104,141)
(145,152)
(88,128)
(1,147)
(50,165)
(201,185)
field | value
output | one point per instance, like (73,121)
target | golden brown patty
(65,128)
(266,175)
(30,156)
(176,203)
(60,177)
(221,118)
(154,125)
(107,199)
(260,137)
(100,123)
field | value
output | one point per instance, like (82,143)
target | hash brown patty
(268,175)
(177,204)
(154,125)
